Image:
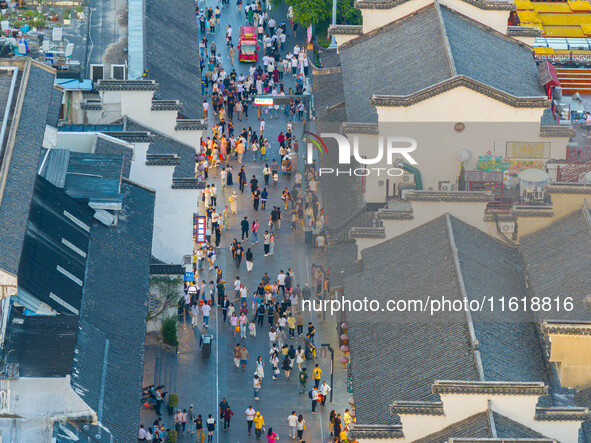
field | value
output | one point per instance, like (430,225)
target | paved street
(204,382)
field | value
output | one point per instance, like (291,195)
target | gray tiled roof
(583,398)
(419,352)
(55,104)
(389,59)
(114,309)
(508,343)
(172,57)
(507,428)
(342,261)
(327,85)
(104,146)
(422,348)
(162,144)
(558,264)
(14,208)
(476,426)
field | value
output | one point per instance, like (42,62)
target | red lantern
(344,326)
(344,360)
(345,348)
(344,338)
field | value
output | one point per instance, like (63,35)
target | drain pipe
(8,106)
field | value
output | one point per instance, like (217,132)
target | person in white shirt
(262,127)
(292,422)
(237,288)
(281,282)
(206,309)
(324,390)
(142,433)
(250,413)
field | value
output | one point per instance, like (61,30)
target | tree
(168,288)
(307,12)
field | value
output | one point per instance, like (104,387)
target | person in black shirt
(261,314)
(244,225)
(238,252)
(254,183)
(242,179)
(256,198)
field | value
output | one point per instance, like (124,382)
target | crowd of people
(273,308)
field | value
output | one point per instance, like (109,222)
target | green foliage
(307,12)
(173,400)
(80,8)
(172,436)
(461,178)
(347,13)
(170,331)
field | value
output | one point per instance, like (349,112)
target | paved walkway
(203,382)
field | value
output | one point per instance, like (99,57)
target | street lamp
(333,42)
(331,350)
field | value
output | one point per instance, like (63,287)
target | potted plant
(173,400)
(172,436)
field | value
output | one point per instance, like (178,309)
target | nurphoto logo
(390,149)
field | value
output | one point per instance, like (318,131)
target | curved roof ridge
(449,53)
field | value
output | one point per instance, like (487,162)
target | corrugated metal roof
(96,177)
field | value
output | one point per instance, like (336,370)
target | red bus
(247,44)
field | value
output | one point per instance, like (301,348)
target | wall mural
(491,162)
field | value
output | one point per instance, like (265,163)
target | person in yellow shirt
(259,422)
(317,373)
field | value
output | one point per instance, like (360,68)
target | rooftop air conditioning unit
(508,227)
(445,186)
(118,72)
(408,178)
(97,72)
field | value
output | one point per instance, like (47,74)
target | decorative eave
(166,105)
(533,211)
(523,31)
(188,183)
(391,214)
(416,408)
(567,328)
(451,196)
(91,105)
(166,269)
(490,216)
(345,30)
(190,125)
(562,414)
(489,388)
(127,85)
(456,82)
(569,188)
(359,431)
(480,4)
(387,4)
(360,128)
(566,131)
(131,136)
(163,160)
(377,232)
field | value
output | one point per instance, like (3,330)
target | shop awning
(548,75)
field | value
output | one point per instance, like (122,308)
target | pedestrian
(259,423)
(287,365)
(243,322)
(205,310)
(271,436)
(292,422)
(234,324)
(303,380)
(231,54)
(249,260)
(313,394)
(272,244)
(301,426)
(227,416)
(317,373)
(274,360)
(243,357)
(210,427)
(324,390)
(264,197)
(260,368)
(300,323)
(300,357)
(225,307)
(257,386)
(338,427)
(311,332)
(255,231)
(291,324)
(238,252)
(222,407)
(236,355)
(244,226)
(266,243)
(250,414)
(199,428)
(233,199)
(191,419)
(178,422)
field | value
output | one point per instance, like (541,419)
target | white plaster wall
(191,138)
(40,402)
(173,211)
(343,38)
(491,18)
(376,18)
(76,141)
(459,105)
